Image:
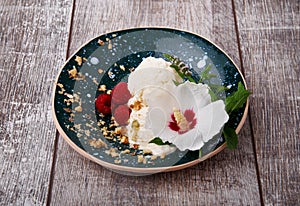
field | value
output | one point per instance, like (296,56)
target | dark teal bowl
(75,91)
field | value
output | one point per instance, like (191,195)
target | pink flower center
(182,122)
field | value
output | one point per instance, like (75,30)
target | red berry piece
(122,114)
(113,107)
(120,94)
(103,104)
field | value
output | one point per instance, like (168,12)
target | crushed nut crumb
(118,161)
(140,158)
(78,109)
(95,81)
(126,151)
(112,152)
(102,88)
(137,105)
(60,85)
(109,45)
(68,110)
(77,126)
(124,140)
(100,42)
(78,59)
(70,96)
(73,73)
(97,143)
(87,132)
(122,67)
(147,151)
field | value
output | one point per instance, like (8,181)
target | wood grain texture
(229,178)
(270,38)
(33,39)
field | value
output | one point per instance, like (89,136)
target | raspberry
(122,114)
(120,94)
(113,107)
(103,104)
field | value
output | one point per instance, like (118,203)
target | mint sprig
(233,103)
(206,75)
(180,67)
(237,99)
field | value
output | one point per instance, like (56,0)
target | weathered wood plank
(33,39)
(270,38)
(228,178)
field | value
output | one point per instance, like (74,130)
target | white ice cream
(153,76)
(152,72)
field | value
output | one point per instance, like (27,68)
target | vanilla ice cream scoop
(153,77)
(152,72)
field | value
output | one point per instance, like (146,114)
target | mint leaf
(158,141)
(169,57)
(177,69)
(217,88)
(205,75)
(213,96)
(237,99)
(231,137)
(181,74)
(180,67)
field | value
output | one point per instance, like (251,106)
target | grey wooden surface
(37,167)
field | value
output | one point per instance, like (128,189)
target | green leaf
(213,96)
(237,99)
(214,90)
(217,88)
(169,57)
(231,137)
(177,69)
(181,74)
(158,141)
(179,66)
(200,153)
(205,75)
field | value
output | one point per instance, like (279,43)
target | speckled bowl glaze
(107,60)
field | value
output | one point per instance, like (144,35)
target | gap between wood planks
(249,110)
(52,171)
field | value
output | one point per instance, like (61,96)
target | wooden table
(37,167)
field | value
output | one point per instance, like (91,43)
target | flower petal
(188,140)
(193,96)
(161,97)
(211,119)
(156,121)
(189,115)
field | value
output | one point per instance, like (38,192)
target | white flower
(191,120)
